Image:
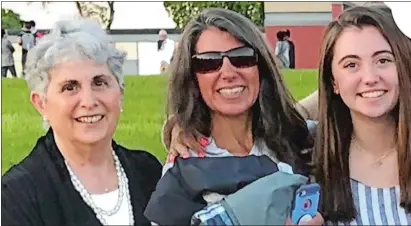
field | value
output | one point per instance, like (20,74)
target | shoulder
(141,156)
(21,175)
(142,161)
(18,185)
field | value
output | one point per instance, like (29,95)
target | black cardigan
(39,191)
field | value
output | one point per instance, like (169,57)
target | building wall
(274,7)
(307,41)
(306,21)
(306,27)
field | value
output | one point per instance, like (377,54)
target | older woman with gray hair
(76,174)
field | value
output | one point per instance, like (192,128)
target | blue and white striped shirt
(377,206)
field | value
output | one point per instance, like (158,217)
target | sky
(128,15)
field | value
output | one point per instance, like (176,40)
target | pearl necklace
(122,188)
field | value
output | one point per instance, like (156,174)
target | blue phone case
(305,204)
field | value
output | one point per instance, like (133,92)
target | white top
(107,201)
(166,51)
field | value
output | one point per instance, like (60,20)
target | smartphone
(305,205)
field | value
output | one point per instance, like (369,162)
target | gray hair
(72,40)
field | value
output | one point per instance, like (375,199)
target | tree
(103,12)
(10,19)
(100,11)
(182,12)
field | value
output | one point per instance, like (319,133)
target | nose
(88,98)
(371,75)
(227,70)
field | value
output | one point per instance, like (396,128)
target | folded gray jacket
(266,201)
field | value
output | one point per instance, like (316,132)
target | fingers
(196,143)
(288,221)
(317,220)
(178,149)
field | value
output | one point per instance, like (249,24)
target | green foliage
(100,11)
(10,19)
(182,12)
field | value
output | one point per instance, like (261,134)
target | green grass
(140,123)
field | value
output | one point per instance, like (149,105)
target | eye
(384,61)
(69,87)
(350,65)
(100,82)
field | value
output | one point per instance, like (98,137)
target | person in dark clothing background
(7,59)
(26,40)
(292,48)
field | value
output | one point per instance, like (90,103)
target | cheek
(60,106)
(112,100)
(254,81)
(205,84)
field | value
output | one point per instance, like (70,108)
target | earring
(121,109)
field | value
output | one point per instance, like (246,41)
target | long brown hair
(274,116)
(333,139)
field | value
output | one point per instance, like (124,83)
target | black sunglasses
(241,57)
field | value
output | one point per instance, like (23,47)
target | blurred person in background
(7,59)
(282,50)
(27,40)
(165,48)
(37,34)
(287,38)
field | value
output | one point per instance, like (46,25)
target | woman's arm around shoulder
(19,205)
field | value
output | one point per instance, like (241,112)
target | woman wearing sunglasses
(225,85)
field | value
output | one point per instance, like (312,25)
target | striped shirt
(377,206)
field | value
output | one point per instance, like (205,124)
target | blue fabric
(214,214)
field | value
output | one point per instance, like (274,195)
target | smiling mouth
(90,119)
(231,91)
(373,94)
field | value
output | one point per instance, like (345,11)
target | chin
(233,111)
(91,137)
(375,113)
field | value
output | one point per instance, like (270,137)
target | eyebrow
(357,57)
(71,81)
(101,76)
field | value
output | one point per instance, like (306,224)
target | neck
(85,154)
(374,134)
(232,133)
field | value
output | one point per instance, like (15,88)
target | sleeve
(277,48)
(10,46)
(18,202)
(214,214)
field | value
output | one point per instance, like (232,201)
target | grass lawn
(140,122)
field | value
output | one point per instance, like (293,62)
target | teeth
(92,119)
(372,94)
(230,91)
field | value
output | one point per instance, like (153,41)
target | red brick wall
(307,41)
(336,9)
